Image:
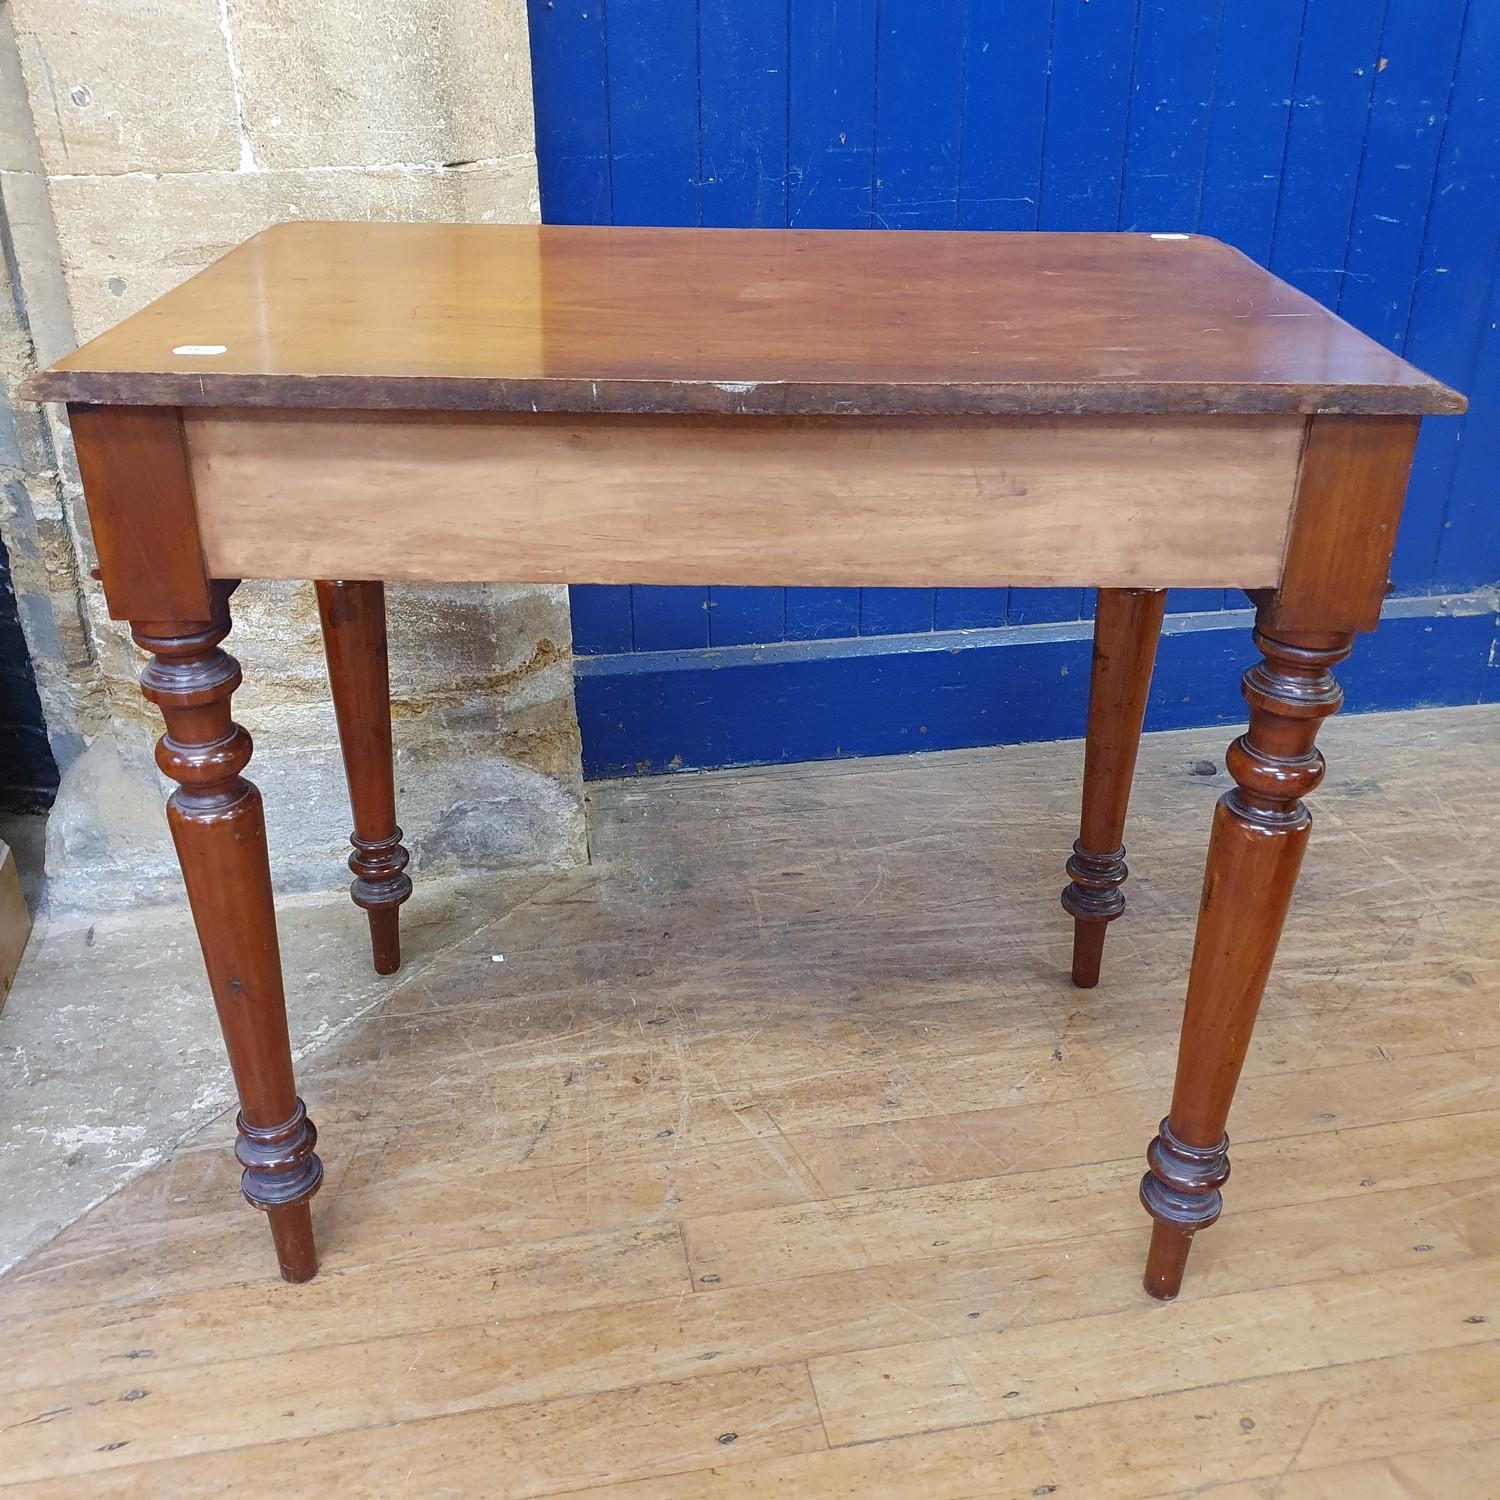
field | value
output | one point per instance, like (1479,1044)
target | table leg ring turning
(282,1172)
(1260,829)
(218,827)
(1181,1193)
(379,887)
(1093,899)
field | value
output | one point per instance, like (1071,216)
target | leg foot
(1166,1260)
(1127,625)
(291,1229)
(385,938)
(1260,830)
(1088,951)
(219,831)
(354,641)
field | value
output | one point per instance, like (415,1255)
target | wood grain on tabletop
(570,318)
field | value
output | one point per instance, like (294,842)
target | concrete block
(474,669)
(485,732)
(129,88)
(18,150)
(387,81)
(36,266)
(108,832)
(500,192)
(24,442)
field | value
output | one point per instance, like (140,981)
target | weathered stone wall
(35,323)
(137,143)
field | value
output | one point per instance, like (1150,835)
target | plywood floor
(777,1156)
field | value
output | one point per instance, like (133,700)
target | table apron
(839,501)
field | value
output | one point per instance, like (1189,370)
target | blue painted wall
(1351,145)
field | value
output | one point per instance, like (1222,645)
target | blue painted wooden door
(1351,145)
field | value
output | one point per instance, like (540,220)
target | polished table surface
(557,318)
(353,403)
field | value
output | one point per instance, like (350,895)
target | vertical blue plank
(1087,109)
(822,614)
(742,82)
(654,139)
(1006,62)
(1469,542)
(918,124)
(1171,102)
(1004,105)
(1172,97)
(742,87)
(894,611)
(1045,606)
(1414,76)
(1260,41)
(570,93)
(745,616)
(970,609)
(831,171)
(831,114)
(601,617)
(1189,601)
(1446,332)
(1463,214)
(1330,114)
(669,618)
(919,114)
(653,110)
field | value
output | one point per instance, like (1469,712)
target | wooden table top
(488,317)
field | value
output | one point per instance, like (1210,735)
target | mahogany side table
(353,403)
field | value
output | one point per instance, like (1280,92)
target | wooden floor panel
(1265,1428)
(1440,1474)
(780,1157)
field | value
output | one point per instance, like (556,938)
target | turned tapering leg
(1127,626)
(353,616)
(1255,849)
(219,830)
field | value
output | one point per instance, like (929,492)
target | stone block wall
(137,143)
